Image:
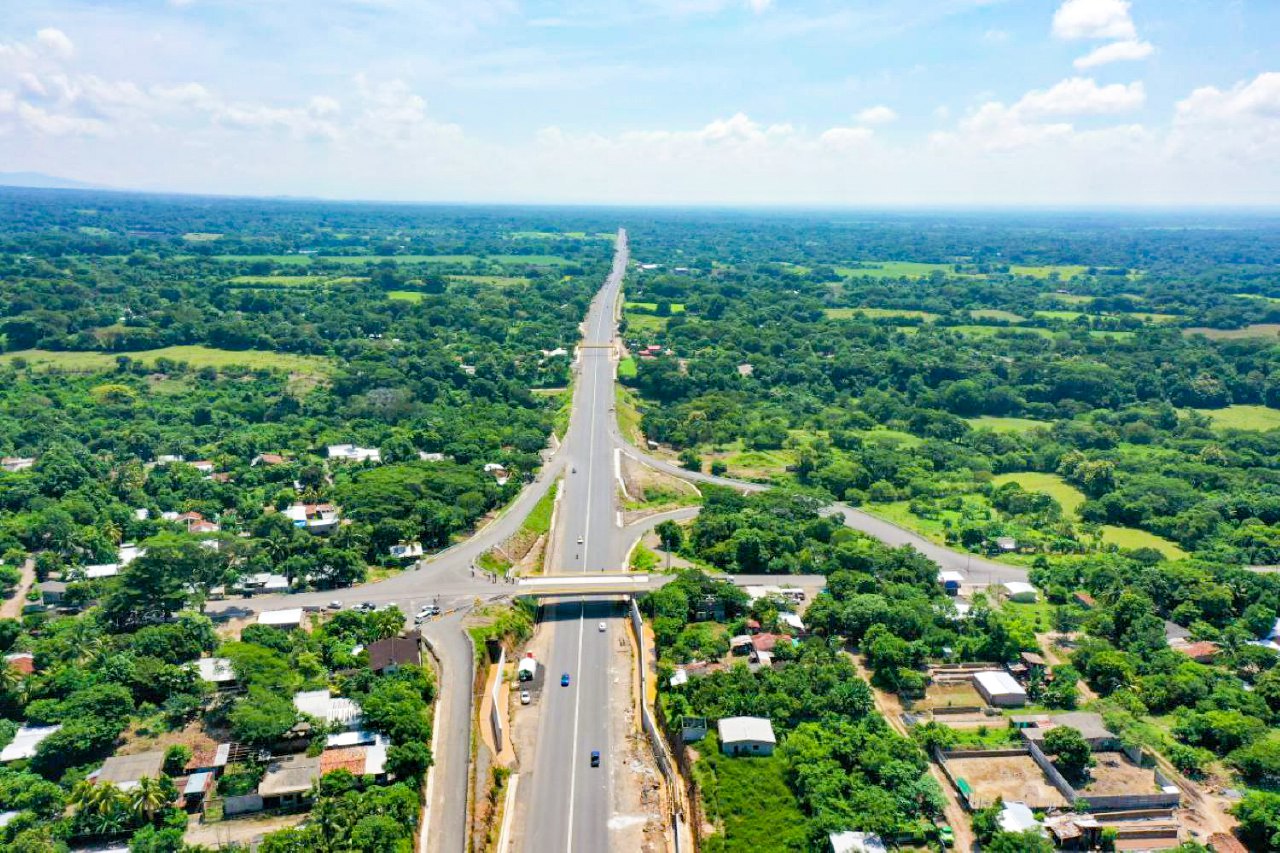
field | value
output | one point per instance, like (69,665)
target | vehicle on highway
(564,680)
(573,469)
(335,605)
(602,628)
(525,697)
(579,540)
(366,607)
(595,758)
(427,612)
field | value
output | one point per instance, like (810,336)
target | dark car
(564,680)
(595,758)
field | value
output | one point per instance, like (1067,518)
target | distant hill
(41,181)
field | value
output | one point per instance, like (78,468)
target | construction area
(984,775)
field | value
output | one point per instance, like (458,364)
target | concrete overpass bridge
(600,584)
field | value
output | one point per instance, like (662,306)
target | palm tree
(101,802)
(10,679)
(149,797)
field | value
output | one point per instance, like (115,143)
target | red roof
(1085,598)
(349,758)
(1196,651)
(191,516)
(764,642)
(22,662)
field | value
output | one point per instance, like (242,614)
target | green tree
(1072,754)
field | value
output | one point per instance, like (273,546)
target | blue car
(564,680)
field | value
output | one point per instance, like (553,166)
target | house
(857,842)
(23,663)
(764,642)
(204,466)
(1006,543)
(268,459)
(141,514)
(746,736)
(168,459)
(500,474)
(214,758)
(203,527)
(51,592)
(794,622)
(352,453)
(424,456)
(1000,689)
(288,781)
(356,737)
(1085,600)
(289,617)
(314,518)
(196,788)
(741,644)
(1201,652)
(406,550)
(125,770)
(14,464)
(680,677)
(1020,591)
(329,709)
(24,743)
(951,582)
(745,370)
(264,582)
(368,760)
(1017,817)
(102,570)
(216,671)
(128,553)
(1091,728)
(394,652)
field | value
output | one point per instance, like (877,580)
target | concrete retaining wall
(660,753)
(498,710)
(1051,773)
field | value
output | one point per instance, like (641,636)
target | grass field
(628,414)
(491,280)
(1069,298)
(627,368)
(405,295)
(1068,496)
(201,237)
(651,307)
(282,260)
(300,260)
(1257,330)
(1152,317)
(1064,271)
(1005,424)
(997,314)
(196,356)
(1272,299)
(1060,315)
(1259,418)
(646,324)
(295,280)
(876,313)
(1129,537)
(893,269)
(989,331)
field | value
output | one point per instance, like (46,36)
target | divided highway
(569,800)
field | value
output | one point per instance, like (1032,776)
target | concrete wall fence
(660,752)
(498,709)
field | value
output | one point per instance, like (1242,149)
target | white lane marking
(582,605)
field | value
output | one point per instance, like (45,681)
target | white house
(314,518)
(1017,817)
(407,550)
(499,472)
(101,570)
(129,552)
(289,617)
(14,464)
(746,736)
(1020,591)
(792,621)
(431,457)
(352,453)
(323,705)
(215,670)
(204,466)
(25,741)
(1000,689)
(857,842)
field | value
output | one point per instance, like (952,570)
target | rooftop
(287,616)
(126,770)
(738,729)
(293,775)
(25,741)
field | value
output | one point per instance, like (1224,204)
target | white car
(579,540)
(525,697)
(602,628)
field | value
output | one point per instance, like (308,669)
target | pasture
(1257,418)
(1131,538)
(998,424)
(878,313)
(195,355)
(997,314)
(1067,495)
(1255,330)
(405,295)
(893,269)
(652,307)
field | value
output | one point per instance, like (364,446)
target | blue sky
(781,102)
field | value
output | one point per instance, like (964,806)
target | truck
(528,668)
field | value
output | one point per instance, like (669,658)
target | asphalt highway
(569,800)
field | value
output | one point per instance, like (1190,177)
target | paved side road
(447,806)
(977,570)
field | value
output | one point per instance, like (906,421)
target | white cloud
(1257,99)
(844,137)
(1082,96)
(879,114)
(56,43)
(1120,51)
(1094,19)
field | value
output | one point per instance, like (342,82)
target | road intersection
(568,801)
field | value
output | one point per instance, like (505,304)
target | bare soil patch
(1013,777)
